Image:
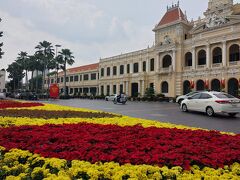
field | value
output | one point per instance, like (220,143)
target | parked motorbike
(122,99)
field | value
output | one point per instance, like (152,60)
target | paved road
(164,112)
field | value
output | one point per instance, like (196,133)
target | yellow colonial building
(187,55)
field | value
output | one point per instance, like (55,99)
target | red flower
(135,145)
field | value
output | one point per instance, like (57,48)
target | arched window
(108,71)
(144,66)
(217,55)
(167,61)
(122,69)
(202,57)
(200,85)
(164,87)
(102,72)
(216,85)
(234,52)
(135,68)
(114,70)
(188,59)
(186,87)
(233,87)
(152,64)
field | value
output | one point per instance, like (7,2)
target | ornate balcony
(166,70)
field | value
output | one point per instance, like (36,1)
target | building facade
(2,80)
(79,80)
(187,55)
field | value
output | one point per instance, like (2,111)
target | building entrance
(134,89)
(186,87)
(233,87)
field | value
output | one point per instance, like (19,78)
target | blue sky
(90,28)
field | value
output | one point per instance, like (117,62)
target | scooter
(122,99)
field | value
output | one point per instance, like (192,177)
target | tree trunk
(32,81)
(43,79)
(37,82)
(65,84)
(48,82)
(26,79)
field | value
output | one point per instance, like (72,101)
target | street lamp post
(56,77)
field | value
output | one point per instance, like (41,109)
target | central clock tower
(223,7)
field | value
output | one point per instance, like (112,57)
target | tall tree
(67,59)
(1,44)
(23,60)
(15,71)
(33,66)
(45,49)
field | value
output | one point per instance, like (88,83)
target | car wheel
(106,99)
(232,114)
(180,101)
(184,108)
(210,111)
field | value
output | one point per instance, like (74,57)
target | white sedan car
(111,97)
(211,103)
(181,98)
(2,95)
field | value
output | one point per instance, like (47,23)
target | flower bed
(135,145)
(15,104)
(110,147)
(53,114)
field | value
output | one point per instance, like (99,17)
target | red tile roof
(88,67)
(172,15)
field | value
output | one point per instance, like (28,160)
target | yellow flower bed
(23,164)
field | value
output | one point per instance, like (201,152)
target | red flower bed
(14,104)
(135,145)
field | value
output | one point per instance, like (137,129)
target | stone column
(174,60)
(125,68)
(105,89)
(127,86)
(224,55)
(143,88)
(123,84)
(118,70)
(208,56)
(117,88)
(147,65)
(99,90)
(194,58)
(139,86)
(140,66)
(131,68)
(111,71)
(158,63)
(111,89)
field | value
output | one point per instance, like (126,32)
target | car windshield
(223,96)
(191,93)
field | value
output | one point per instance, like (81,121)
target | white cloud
(20,35)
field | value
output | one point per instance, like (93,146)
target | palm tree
(33,66)
(23,60)
(66,58)
(46,53)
